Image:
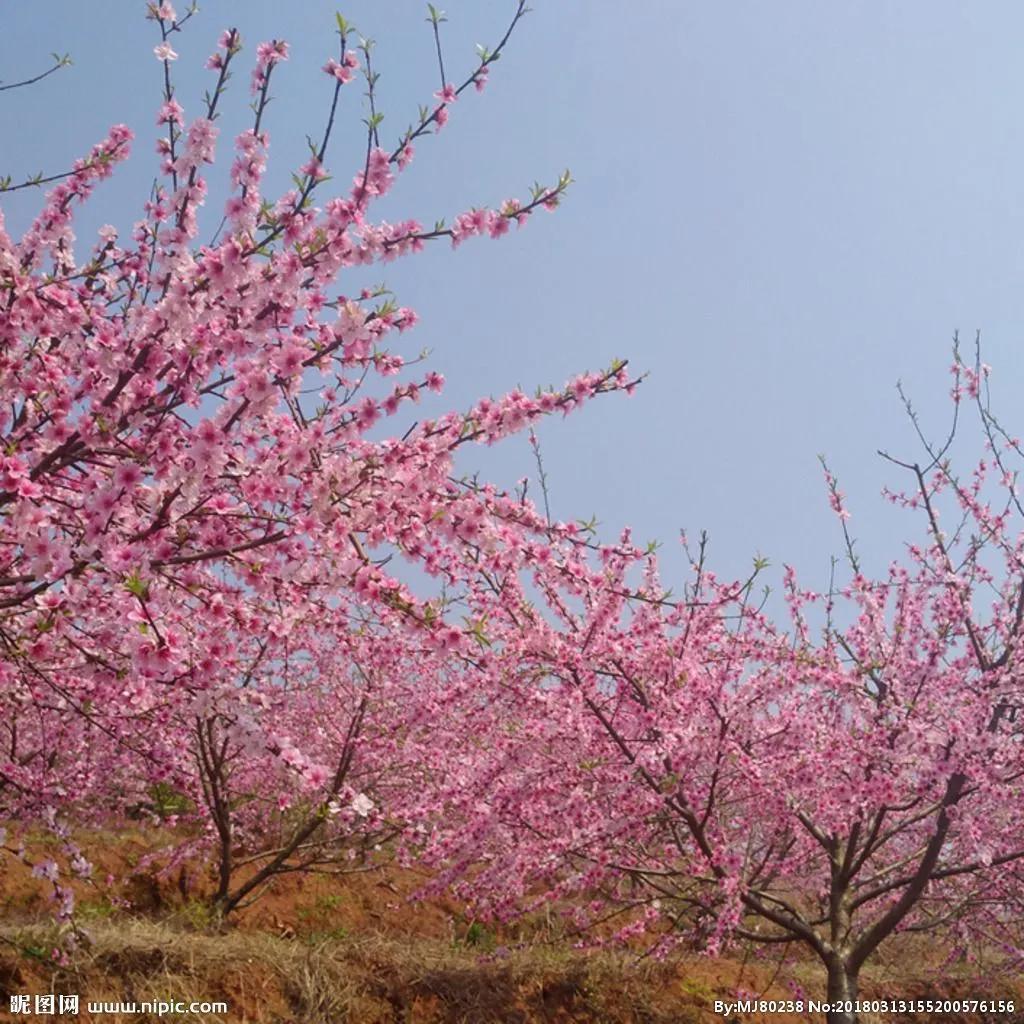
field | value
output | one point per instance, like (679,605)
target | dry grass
(370,979)
(377,979)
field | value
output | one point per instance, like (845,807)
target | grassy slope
(324,951)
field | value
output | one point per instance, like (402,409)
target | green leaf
(134,584)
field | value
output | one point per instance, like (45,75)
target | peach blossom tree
(210,472)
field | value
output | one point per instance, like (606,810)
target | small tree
(269,807)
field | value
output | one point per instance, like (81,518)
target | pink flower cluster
(342,70)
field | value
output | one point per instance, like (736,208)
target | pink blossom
(46,869)
(170,112)
(362,805)
(127,474)
(314,169)
(405,155)
(342,72)
(271,52)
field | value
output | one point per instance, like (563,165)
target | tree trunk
(842,987)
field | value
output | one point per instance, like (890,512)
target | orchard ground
(316,949)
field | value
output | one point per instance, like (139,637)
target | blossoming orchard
(246,596)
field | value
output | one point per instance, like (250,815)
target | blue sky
(779,211)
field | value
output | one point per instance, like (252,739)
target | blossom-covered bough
(709,777)
(199,505)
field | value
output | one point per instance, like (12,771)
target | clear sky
(779,211)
